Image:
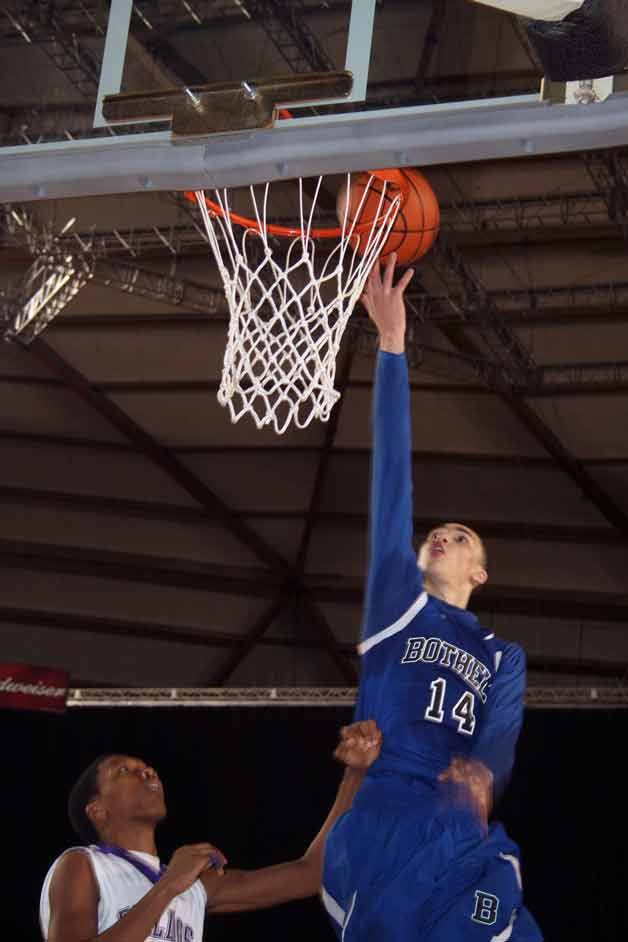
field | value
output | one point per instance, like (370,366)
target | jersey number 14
(462,712)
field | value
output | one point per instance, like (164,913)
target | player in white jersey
(115,889)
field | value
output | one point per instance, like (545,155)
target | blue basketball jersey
(437,683)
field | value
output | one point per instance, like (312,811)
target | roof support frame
(191,484)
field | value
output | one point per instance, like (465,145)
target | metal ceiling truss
(141,568)
(62,266)
(576,606)
(154,510)
(461,369)
(552,379)
(51,282)
(80,17)
(512,364)
(78,63)
(476,459)
(166,288)
(523,213)
(58,286)
(170,16)
(430,43)
(429,309)
(192,485)
(580,378)
(611,295)
(457,217)
(257,631)
(109,697)
(515,367)
(283,23)
(609,509)
(324,461)
(56,276)
(237,643)
(254,636)
(609,172)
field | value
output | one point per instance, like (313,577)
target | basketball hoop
(290,303)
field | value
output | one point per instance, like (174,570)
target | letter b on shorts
(486,906)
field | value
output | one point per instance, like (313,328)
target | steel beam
(493,600)
(560,379)
(474,459)
(132,279)
(209,638)
(289,33)
(268,617)
(433,134)
(609,509)
(191,484)
(536,697)
(152,510)
(609,172)
(468,298)
(144,631)
(134,567)
(325,455)
(253,636)
(159,456)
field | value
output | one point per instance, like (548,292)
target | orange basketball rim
(392,177)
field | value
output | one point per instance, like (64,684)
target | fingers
(405,280)
(457,771)
(475,778)
(205,851)
(368,728)
(375,283)
(364,729)
(374,279)
(389,271)
(218,862)
(359,744)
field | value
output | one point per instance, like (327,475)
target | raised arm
(393,580)
(240,890)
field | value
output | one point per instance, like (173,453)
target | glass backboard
(432,82)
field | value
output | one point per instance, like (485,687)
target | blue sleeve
(495,745)
(394,579)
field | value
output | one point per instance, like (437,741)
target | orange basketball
(416,225)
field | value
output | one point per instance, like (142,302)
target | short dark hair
(84,790)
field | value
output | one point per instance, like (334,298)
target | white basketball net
(289,307)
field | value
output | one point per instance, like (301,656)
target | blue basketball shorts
(395,875)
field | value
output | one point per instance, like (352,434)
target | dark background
(258,782)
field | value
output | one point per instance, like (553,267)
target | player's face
(129,790)
(454,554)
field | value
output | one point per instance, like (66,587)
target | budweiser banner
(23,687)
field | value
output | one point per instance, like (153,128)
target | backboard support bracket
(585,91)
(223,107)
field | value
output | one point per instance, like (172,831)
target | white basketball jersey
(121,886)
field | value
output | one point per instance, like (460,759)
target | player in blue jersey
(414,859)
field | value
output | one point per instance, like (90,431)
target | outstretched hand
(476,779)
(385,305)
(359,744)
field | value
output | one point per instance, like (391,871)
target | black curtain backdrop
(258,782)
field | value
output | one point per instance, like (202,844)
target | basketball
(416,224)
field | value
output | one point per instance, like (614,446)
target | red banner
(23,687)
